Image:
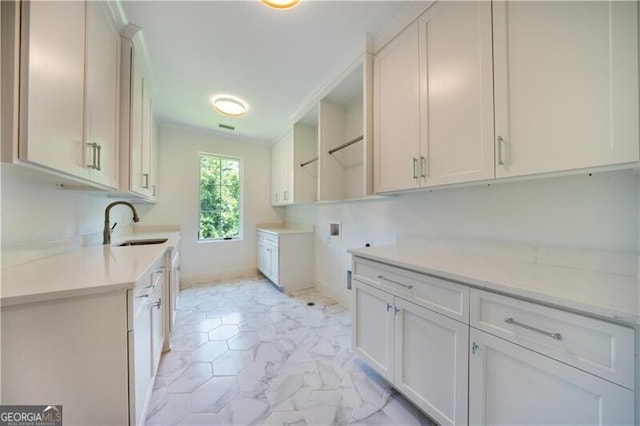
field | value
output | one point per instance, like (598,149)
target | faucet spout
(106,232)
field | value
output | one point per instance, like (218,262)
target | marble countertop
(88,270)
(605,295)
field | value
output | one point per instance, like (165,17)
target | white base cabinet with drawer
(469,356)
(96,355)
(286,258)
(421,352)
(533,364)
(510,384)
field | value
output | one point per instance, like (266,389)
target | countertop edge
(571,305)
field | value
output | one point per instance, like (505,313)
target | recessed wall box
(335,230)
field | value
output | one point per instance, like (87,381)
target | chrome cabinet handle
(153,190)
(286,195)
(157,304)
(145,176)
(94,164)
(407,286)
(556,336)
(99,149)
(415,168)
(423,167)
(500,142)
(474,348)
(389,306)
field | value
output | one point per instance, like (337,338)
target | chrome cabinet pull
(474,348)
(145,176)
(407,286)
(157,304)
(99,149)
(396,310)
(556,336)
(415,168)
(286,195)
(389,306)
(423,167)
(500,142)
(94,164)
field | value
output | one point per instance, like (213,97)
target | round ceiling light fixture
(229,105)
(281,4)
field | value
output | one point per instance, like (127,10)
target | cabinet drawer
(595,346)
(267,238)
(442,296)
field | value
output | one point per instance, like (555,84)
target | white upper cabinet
(396,130)
(566,85)
(434,100)
(281,171)
(102,99)
(52,86)
(480,90)
(456,93)
(138,136)
(68,89)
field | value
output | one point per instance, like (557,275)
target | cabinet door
(372,334)
(274,261)
(566,85)
(276,175)
(396,113)
(456,106)
(103,70)
(147,133)
(157,320)
(137,90)
(140,361)
(431,362)
(509,384)
(52,86)
(286,163)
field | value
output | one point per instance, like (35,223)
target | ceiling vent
(226,126)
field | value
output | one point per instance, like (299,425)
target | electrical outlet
(348,280)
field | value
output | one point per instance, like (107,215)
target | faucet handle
(114,225)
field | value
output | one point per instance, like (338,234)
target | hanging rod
(309,162)
(346,144)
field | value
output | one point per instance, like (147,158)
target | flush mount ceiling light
(281,4)
(229,105)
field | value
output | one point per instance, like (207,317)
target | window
(219,198)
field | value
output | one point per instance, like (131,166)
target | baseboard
(217,276)
(342,297)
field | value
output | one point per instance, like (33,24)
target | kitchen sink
(143,242)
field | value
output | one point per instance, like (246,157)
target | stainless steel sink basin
(143,242)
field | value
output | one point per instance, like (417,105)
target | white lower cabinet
(373,329)
(510,385)
(470,356)
(421,352)
(286,257)
(96,355)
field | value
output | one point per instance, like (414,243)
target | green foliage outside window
(219,197)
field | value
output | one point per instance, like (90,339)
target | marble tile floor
(245,353)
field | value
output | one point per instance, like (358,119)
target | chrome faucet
(106,232)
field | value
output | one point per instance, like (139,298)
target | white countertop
(88,270)
(283,231)
(605,295)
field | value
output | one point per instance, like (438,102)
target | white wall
(597,212)
(34,210)
(179,201)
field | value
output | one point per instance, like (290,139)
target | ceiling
(273,59)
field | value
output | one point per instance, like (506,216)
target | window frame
(240,161)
